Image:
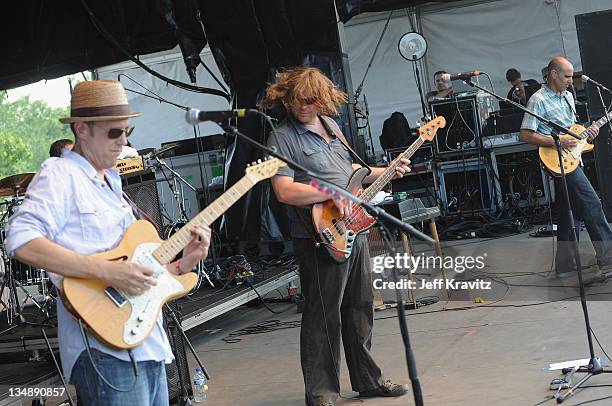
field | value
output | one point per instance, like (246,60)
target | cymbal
(15,184)
(161,150)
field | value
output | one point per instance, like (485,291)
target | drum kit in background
(20,284)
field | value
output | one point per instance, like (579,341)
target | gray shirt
(330,161)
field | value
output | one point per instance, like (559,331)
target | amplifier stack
(466,170)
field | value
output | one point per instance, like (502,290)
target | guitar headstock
(265,169)
(428,130)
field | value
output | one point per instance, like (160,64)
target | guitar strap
(330,125)
(573,109)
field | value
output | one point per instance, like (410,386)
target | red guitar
(337,233)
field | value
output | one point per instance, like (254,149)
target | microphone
(585,79)
(195,116)
(461,75)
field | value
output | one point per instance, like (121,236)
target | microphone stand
(180,201)
(391,220)
(594,366)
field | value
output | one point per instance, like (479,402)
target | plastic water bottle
(199,386)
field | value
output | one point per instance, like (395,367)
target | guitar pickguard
(145,307)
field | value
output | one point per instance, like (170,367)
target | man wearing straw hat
(73,208)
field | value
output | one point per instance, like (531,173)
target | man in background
(58,146)
(444,87)
(521,90)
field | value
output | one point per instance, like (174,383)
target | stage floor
(480,348)
(21,343)
(492,354)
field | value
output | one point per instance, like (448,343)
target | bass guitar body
(336,233)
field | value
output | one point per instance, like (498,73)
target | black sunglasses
(114,133)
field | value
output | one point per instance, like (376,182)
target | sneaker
(559,383)
(563,275)
(387,389)
(327,403)
(605,268)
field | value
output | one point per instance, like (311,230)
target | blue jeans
(586,206)
(151,387)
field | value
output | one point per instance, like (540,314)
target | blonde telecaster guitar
(570,156)
(337,233)
(124,321)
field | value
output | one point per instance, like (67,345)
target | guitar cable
(93,364)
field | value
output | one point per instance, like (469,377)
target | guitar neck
(388,174)
(166,252)
(598,124)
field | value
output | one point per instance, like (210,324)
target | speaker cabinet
(519,178)
(465,186)
(179,378)
(141,187)
(460,135)
(595,40)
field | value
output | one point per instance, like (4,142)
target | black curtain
(250,41)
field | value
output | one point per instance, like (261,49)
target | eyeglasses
(307,102)
(114,133)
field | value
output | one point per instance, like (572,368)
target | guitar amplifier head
(423,154)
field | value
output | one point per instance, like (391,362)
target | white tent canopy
(490,36)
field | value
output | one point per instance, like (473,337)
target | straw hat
(98,100)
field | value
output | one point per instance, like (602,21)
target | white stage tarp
(162,122)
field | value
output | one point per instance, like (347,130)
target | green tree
(15,155)
(28,128)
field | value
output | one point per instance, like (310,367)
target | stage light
(412,46)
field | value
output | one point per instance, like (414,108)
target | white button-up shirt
(67,204)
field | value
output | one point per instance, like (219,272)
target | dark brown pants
(342,295)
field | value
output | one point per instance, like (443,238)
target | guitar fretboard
(388,174)
(171,247)
(597,124)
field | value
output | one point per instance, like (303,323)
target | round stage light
(412,46)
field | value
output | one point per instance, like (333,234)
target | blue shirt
(546,103)
(67,204)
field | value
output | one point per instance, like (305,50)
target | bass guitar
(336,233)
(570,156)
(124,321)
